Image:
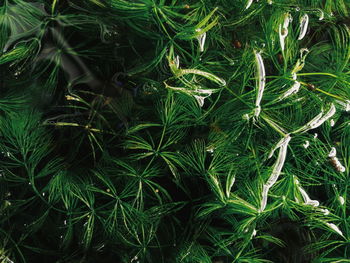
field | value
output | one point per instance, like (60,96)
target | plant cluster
(174,131)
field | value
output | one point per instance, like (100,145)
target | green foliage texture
(169,131)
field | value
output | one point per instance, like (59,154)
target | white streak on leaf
(249,3)
(328,114)
(281,142)
(254,233)
(294,89)
(229,183)
(341,200)
(325,211)
(202,73)
(279,162)
(304,22)
(198,93)
(335,228)
(283,146)
(201,40)
(333,152)
(177,62)
(260,81)
(318,120)
(345,105)
(307,199)
(283,30)
(321,15)
(257,111)
(265,192)
(200,100)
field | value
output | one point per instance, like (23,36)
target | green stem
(318,73)
(53,7)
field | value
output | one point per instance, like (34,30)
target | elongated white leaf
(260,81)
(249,3)
(283,146)
(307,199)
(318,120)
(283,29)
(204,74)
(335,228)
(279,162)
(304,23)
(201,39)
(294,89)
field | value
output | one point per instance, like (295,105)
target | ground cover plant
(174,131)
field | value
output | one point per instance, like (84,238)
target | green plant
(172,131)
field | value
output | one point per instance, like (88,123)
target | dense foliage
(174,131)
